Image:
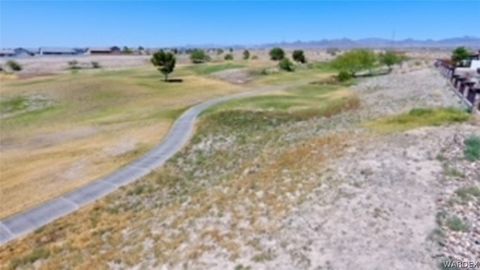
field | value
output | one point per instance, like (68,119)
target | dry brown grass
(46,154)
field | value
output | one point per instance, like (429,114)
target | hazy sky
(170,23)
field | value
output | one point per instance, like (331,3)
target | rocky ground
(263,193)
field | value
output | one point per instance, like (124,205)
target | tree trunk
(166,77)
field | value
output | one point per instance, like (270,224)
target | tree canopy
(459,54)
(198,56)
(390,58)
(277,54)
(165,62)
(246,54)
(299,56)
(355,61)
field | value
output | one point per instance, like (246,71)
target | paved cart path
(180,133)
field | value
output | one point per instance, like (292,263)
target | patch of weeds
(468,193)
(241,267)
(472,148)
(35,255)
(420,118)
(264,256)
(13,104)
(456,224)
(453,172)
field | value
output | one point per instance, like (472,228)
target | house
(57,51)
(7,53)
(104,50)
(22,52)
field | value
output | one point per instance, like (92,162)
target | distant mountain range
(467,41)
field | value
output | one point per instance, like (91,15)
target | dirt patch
(235,76)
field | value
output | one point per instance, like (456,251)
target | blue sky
(173,23)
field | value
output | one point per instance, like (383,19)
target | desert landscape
(329,154)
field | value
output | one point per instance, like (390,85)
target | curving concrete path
(23,223)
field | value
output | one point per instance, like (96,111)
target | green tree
(246,54)
(198,56)
(286,64)
(299,56)
(355,61)
(127,50)
(389,59)
(165,62)
(228,56)
(459,54)
(277,54)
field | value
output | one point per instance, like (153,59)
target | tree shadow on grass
(175,80)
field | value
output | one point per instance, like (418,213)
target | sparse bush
(246,54)
(456,224)
(254,57)
(299,56)
(467,193)
(35,255)
(219,51)
(228,57)
(286,64)
(277,54)
(198,56)
(343,76)
(73,64)
(13,65)
(472,148)
(95,64)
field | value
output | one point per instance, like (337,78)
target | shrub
(219,51)
(458,225)
(472,148)
(228,56)
(343,76)
(254,57)
(95,64)
(299,56)
(246,55)
(198,56)
(286,65)
(277,54)
(467,193)
(13,65)
(73,64)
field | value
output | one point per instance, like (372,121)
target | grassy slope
(208,179)
(75,139)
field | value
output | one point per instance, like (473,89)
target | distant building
(57,51)
(22,52)
(104,50)
(7,53)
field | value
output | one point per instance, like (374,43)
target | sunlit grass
(419,118)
